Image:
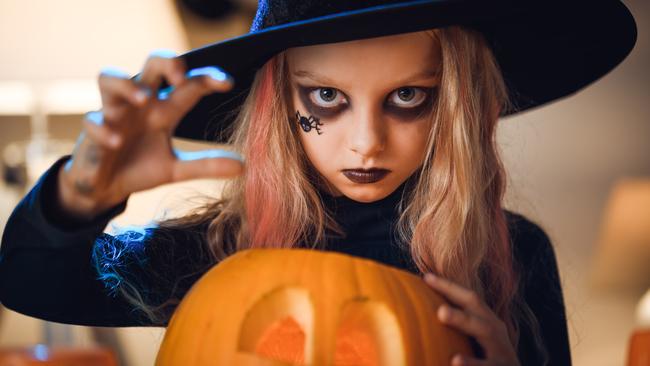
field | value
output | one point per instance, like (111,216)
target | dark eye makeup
(316,98)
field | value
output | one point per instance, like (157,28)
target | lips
(365,176)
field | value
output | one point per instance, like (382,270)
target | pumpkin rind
(223,316)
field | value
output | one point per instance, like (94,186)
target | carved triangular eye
(284,340)
(368,334)
(354,346)
(279,326)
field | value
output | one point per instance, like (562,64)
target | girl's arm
(542,291)
(71,272)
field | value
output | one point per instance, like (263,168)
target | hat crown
(276,12)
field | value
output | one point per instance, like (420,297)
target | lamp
(622,261)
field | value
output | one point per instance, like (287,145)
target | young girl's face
(364,104)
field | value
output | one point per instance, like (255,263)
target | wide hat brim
(546,50)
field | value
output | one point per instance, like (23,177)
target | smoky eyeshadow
(407,114)
(303,92)
(411,114)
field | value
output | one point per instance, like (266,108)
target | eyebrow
(426,74)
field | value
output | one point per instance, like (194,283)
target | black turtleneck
(47,270)
(369,227)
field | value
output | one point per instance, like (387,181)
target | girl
(361,134)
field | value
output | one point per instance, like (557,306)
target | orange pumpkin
(308,307)
(638,351)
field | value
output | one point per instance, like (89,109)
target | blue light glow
(214,72)
(164,93)
(115,256)
(41,352)
(207,154)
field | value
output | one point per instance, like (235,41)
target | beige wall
(562,160)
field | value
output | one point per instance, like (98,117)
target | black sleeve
(66,273)
(542,291)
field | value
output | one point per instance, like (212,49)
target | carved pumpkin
(308,307)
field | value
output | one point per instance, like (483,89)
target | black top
(69,274)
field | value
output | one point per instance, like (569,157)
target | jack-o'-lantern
(308,307)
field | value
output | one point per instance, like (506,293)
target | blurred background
(579,167)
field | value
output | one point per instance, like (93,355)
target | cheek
(410,145)
(322,150)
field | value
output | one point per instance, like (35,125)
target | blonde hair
(452,221)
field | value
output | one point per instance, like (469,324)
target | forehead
(383,57)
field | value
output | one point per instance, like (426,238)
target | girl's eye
(408,97)
(324,97)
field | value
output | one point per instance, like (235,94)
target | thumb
(215,163)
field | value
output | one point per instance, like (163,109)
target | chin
(366,192)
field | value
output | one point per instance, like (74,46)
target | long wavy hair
(452,221)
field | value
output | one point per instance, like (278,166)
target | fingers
(96,150)
(462,360)
(466,321)
(206,164)
(476,319)
(178,101)
(490,334)
(461,296)
(481,318)
(124,98)
(162,63)
(116,86)
(120,96)
(98,132)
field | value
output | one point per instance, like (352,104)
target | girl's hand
(126,146)
(476,319)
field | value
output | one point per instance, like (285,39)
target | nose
(367,136)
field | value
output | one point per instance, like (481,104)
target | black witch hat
(546,49)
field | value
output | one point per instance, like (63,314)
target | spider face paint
(307,123)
